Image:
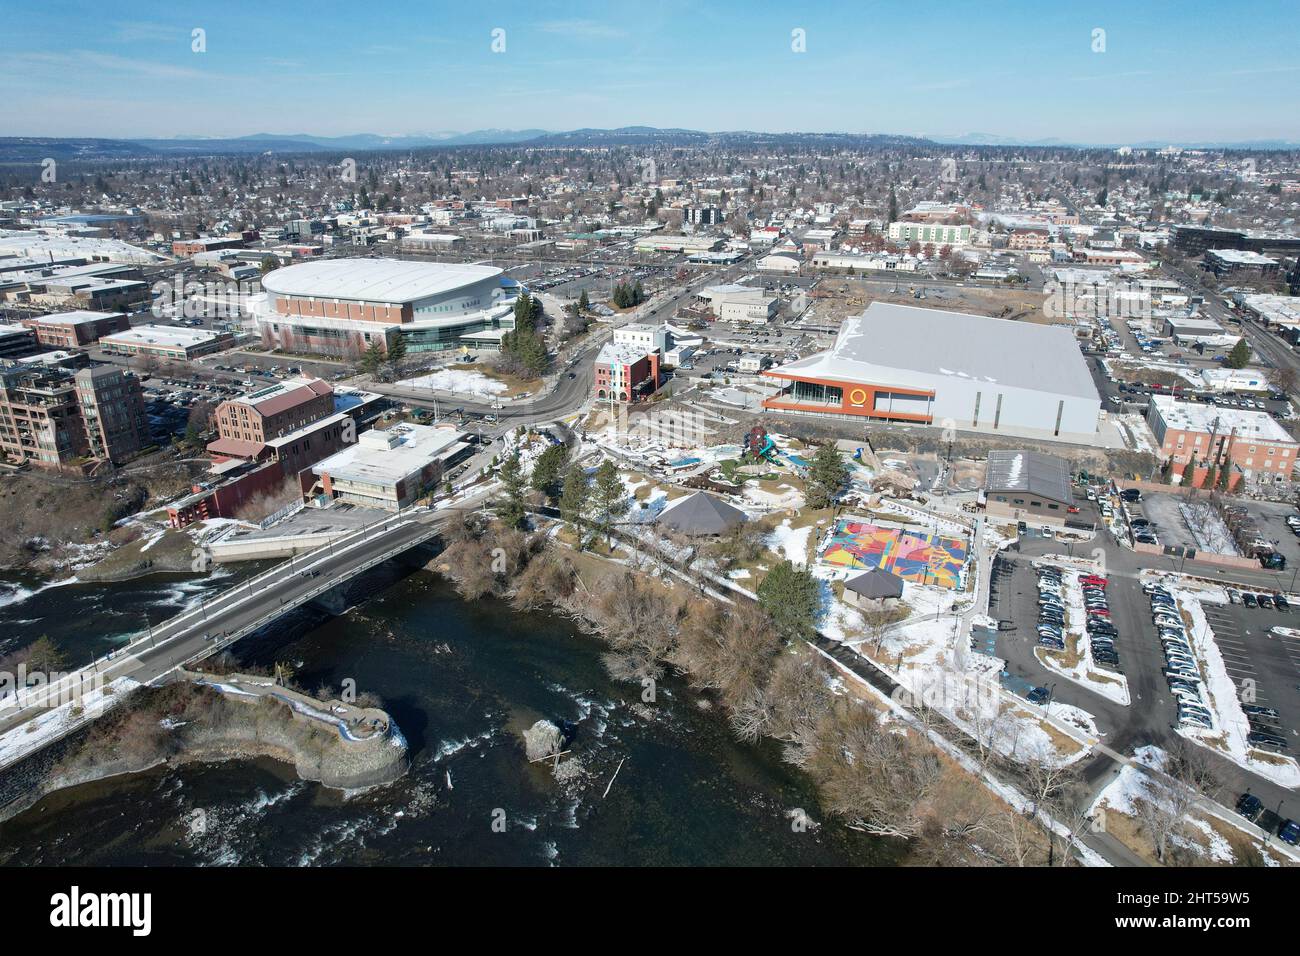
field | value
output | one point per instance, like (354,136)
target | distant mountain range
(991,139)
(25,149)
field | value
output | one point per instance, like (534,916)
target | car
(1281,602)
(1094,579)
(1249,600)
(1261,739)
(1265,601)
(1288,831)
(1257,711)
(1039,695)
(1249,806)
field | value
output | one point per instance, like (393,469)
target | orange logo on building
(858,396)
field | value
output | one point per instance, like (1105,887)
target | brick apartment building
(54,418)
(1255,448)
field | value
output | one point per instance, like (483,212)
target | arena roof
(888,339)
(374,280)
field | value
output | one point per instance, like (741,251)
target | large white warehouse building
(905,364)
(342,306)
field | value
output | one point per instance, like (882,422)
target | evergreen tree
(548,471)
(826,476)
(584,303)
(511,508)
(573,499)
(791,598)
(609,499)
(1239,357)
(372,359)
(397,351)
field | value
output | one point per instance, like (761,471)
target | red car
(1072,509)
(1092,579)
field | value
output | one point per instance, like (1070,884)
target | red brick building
(626,373)
(70,330)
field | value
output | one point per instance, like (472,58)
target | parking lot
(1261,663)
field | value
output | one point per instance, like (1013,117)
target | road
(1150,716)
(220,621)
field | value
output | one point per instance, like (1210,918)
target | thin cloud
(135,31)
(586,29)
(81,60)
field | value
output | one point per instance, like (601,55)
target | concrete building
(1027,486)
(166,342)
(17,341)
(678,244)
(70,330)
(1239,263)
(388,469)
(1189,331)
(925,233)
(932,367)
(750,307)
(643,335)
(857,264)
(343,306)
(1255,449)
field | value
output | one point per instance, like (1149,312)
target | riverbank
(210,718)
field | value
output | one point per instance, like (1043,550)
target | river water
(461,679)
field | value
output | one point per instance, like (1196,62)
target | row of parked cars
(1101,630)
(1051,609)
(1276,601)
(1266,731)
(1252,808)
(1181,672)
(1051,615)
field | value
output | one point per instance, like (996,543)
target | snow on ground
(50,724)
(1230,725)
(460,381)
(1133,787)
(790,543)
(1086,673)
(1136,426)
(786,498)
(1207,527)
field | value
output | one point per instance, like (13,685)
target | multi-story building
(40,417)
(938,234)
(274,411)
(626,373)
(346,306)
(166,342)
(1254,448)
(53,417)
(70,330)
(388,469)
(112,412)
(1239,262)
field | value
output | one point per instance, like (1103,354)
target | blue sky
(1170,71)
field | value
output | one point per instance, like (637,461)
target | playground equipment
(760,444)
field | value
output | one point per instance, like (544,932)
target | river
(461,679)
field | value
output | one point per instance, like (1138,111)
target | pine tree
(573,499)
(1239,357)
(548,470)
(372,359)
(397,351)
(609,499)
(791,598)
(826,476)
(511,508)
(584,303)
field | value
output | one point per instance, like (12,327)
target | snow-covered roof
(374,280)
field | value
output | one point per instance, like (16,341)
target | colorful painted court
(914,556)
